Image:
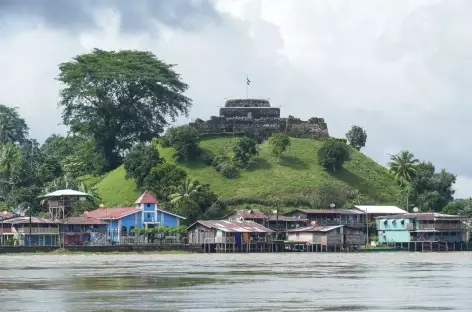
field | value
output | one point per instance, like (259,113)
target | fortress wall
(255,112)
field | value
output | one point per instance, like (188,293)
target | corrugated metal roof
(328,211)
(36,220)
(233,226)
(146,198)
(110,213)
(316,228)
(248,214)
(82,221)
(372,209)
(431,216)
(284,218)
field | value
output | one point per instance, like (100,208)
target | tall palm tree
(187,196)
(403,166)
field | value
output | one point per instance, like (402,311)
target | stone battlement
(253,115)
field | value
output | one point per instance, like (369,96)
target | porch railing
(34,230)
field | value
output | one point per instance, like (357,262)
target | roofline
(198,221)
(125,215)
(172,214)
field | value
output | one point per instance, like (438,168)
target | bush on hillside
(333,154)
(244,150)
(184,140)
(229,170)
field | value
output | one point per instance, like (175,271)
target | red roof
(82,220)
(146,198)
(110,213)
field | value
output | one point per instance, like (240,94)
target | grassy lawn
(293,178)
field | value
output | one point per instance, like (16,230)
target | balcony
(436,226)
(328,222)
(46,230)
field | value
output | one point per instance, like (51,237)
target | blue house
(146,214)
(421,227)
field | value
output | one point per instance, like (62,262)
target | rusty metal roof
(316,228)
(248,214)
(328,211)
(425,216)
(284,218)
(233,226)
(35,220)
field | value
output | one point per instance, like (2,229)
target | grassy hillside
(291,180)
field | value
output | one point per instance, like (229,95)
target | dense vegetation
(116,105)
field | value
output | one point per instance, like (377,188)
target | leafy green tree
(139,161)
(187,198)
(184,140)
(333,154)
(403,166)
(13,128)
(432,190)
(279,143)
(163,178)
(244,150)
(327,194)
(120,98)
(10,160)
(357,137)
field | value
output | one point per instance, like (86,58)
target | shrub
(333,154)
(228,170)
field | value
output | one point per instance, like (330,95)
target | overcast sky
(400,68)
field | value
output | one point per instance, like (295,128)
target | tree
(184,140)
(187,197)
(333,154)
(139,162)
(244,150)
(279,143)
(13,128)
(403,166)
(163,178)
(432,190)
(357,137)
(327,194)
(120,98)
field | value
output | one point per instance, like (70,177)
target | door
(237,239)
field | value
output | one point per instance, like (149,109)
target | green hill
(291,181)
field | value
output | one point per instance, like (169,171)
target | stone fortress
(240,116)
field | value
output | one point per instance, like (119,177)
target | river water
(237,282)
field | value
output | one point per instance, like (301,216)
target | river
(237,282)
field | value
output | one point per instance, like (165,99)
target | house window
(149,216)
(148,205)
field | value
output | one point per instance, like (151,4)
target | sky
(401,69)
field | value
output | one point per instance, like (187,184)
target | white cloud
(400,69)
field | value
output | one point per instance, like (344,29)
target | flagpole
(247,87)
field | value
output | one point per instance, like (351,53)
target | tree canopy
(139,162)
(13,128)
(244,150)
(119,98)
(279,143)
(333,154)
(403,166)
(357,137)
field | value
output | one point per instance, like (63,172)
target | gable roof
(326,211)
(316,228)
(146,198)
(372,209)
(426,216)
(35,220)
(111,213)
(233,226)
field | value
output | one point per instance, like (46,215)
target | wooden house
(34,231)
(328,236)
(83,230)
(330,217)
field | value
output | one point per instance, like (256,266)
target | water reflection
(237,282)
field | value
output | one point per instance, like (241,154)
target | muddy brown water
(237,282)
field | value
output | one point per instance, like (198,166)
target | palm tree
(187,196)
(403,166)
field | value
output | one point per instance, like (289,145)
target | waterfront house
(373,211)
(332,235)
(5,229)
(34,232)
(278,223)
(428,227)
(330,217)
(146,214)
(83,230)
(228,232)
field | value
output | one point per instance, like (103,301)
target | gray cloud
(137,15)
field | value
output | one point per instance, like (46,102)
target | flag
(248,81)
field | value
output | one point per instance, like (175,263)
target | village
(361,228)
